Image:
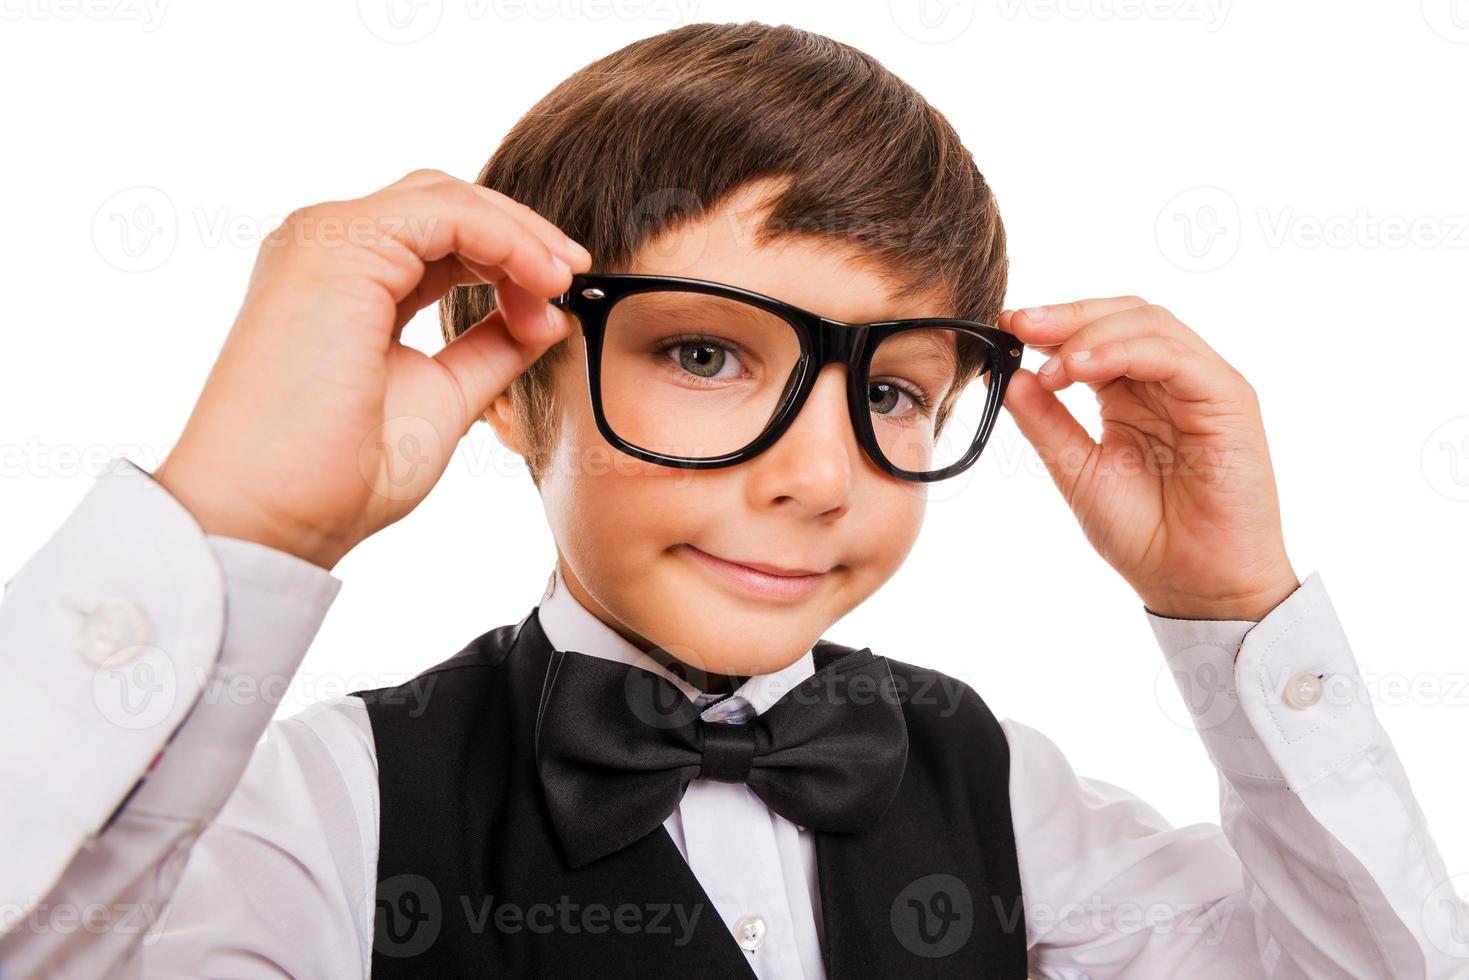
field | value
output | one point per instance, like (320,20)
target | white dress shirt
(146,834)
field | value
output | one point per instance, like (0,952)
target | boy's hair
(662,130)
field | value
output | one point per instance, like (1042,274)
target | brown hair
(660,131)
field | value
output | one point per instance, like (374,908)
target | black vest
(471,880)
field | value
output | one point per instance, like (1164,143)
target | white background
(1288,178)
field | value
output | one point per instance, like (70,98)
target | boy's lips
(767,581)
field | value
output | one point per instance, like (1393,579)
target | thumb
(1062,442)
(484,359)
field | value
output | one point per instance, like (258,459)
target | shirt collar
(569,625)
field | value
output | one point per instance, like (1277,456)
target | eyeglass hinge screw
(593,292)
(1014,352)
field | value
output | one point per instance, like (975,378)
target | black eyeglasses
(700,375)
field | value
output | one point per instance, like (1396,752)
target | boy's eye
(886,398)
(705,360)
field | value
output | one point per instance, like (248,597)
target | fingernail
(1077,356)
(552,320)
(1034,313)
(561,265)
(1052,365)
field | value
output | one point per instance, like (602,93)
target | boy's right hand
(317,427)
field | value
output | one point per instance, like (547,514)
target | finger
(531,319)
(1062,442)
(1047,326)
(439,277)
(1146,320)
(495,245)
(483,361)
(572,251)
(1139,321)
(433,220)
(1182,371)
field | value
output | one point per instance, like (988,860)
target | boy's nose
(812,465)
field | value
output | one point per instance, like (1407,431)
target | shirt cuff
(143,660)
(275,604)
(106,636)
(1281,699)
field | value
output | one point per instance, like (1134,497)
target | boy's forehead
(823,274)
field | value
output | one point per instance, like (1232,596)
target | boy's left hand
(1179,495)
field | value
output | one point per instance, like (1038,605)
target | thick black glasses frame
(823,342)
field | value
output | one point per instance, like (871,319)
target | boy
(662,769)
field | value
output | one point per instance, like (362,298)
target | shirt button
(1303,690)
(112,626)
(749,930)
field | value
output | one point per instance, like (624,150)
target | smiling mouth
(765,581)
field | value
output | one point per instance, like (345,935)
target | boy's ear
(503,420)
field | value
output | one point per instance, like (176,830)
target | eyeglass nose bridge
(837,342)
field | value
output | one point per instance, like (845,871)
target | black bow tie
(616,746)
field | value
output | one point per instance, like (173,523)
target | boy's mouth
(757,578)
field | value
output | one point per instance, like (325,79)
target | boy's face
(634,538)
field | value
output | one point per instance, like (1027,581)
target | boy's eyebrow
(675,301)
(927,347)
